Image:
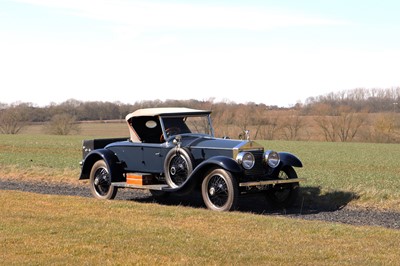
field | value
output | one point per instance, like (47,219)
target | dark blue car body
(173,150)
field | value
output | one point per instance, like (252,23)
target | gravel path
(252,204)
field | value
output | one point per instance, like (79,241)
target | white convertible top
(166,111)
(155,112)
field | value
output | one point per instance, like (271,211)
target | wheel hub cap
(211,191)
(173,170)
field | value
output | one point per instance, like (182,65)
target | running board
(271,182)
(152,187)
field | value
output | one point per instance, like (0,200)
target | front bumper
(271,182)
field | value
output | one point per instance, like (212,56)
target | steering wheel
(170,131)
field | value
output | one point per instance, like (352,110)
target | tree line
(358,100)
(368,115)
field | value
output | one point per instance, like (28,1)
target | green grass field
(46,229)
(369,173)
(337,173)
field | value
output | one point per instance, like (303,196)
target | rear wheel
(220,190)
(284,195)
(100,181)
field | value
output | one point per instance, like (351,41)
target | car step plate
(152,187)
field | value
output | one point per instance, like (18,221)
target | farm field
(47,229)
(359,174)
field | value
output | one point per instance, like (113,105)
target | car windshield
(188,124)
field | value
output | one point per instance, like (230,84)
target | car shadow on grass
(314,198)
(311,200)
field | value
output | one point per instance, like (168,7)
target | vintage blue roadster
(173,150)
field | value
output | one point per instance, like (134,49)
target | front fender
(200,171)
(224,162)
(112,161)
(289,159)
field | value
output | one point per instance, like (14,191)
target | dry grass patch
(41,174)
(42,229)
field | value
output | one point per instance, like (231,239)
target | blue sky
(272,52)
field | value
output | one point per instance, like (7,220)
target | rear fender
(112,161)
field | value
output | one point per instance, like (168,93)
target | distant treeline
(357,100)
(367,115)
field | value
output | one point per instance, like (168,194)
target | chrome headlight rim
(246,160)
(271,158)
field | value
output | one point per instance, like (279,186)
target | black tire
(178,165)
(100,181)
(220,190)
(284,195)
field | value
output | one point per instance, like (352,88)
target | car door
(152,158)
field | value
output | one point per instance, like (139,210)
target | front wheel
(100,181)
(220,190)
(284,195)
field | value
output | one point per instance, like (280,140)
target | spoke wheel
(178,166)
(220,191)
(284,195)
(100,181)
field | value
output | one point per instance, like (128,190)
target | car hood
(219,143)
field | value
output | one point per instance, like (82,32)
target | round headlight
(271,158)
(246,159)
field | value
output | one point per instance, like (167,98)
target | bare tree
(328,126)
(385,129)
(243,118)
(270,127)
(223,116)
(13,119)
(62,124)
(343,126)
(326,120)
(348,125)
(292,126)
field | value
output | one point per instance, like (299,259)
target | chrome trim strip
(126,185)
(271,182)
(210,125)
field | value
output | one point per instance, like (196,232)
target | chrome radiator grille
(258,169)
